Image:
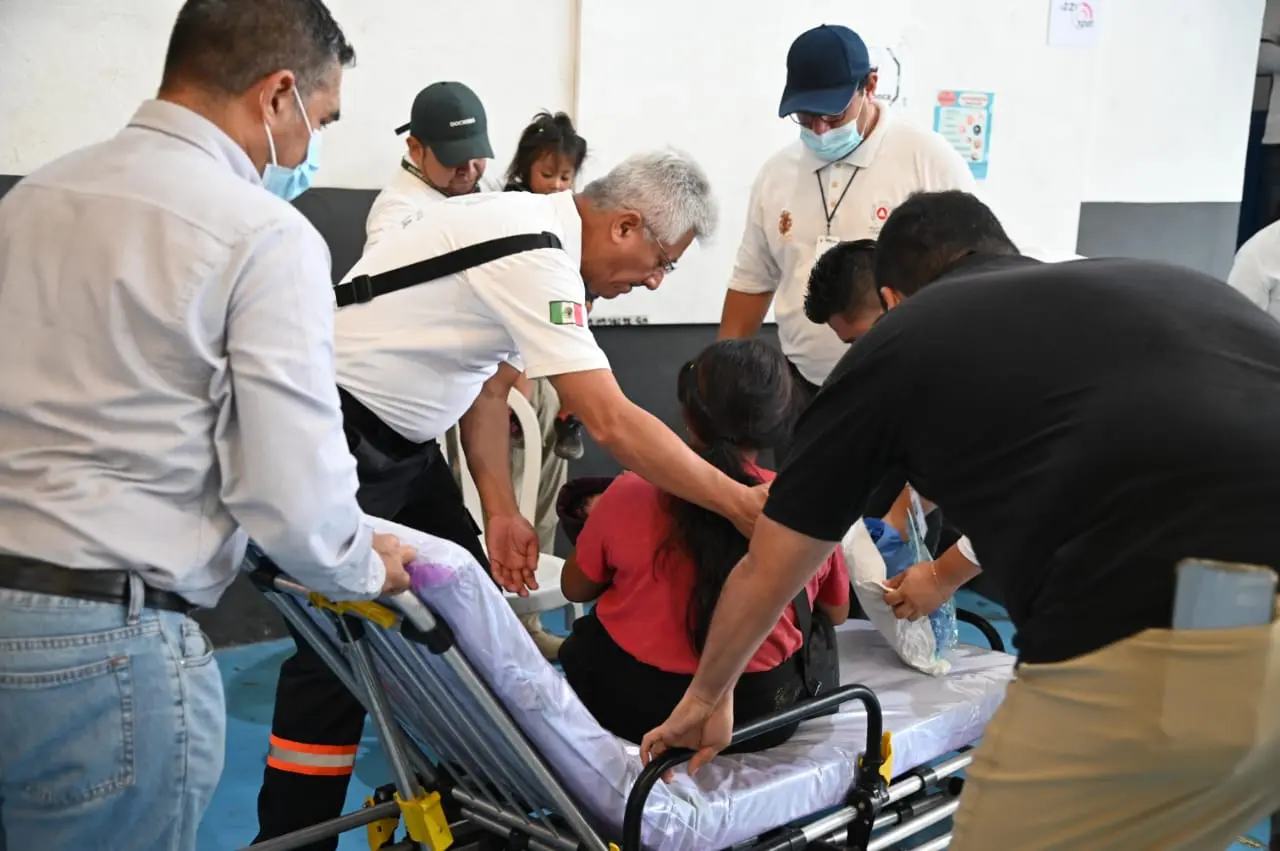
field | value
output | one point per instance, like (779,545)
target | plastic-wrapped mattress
(734,798)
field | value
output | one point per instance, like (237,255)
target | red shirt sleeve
(834,589)
(606,520)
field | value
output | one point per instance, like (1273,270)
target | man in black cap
(448,149)
(854,162)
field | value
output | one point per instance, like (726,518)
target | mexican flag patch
(568,313)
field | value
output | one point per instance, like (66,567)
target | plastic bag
(875,552)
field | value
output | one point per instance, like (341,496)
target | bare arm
(773,571)
(954,568)
(743,314)
(576,586)
(485,432)
(640,442)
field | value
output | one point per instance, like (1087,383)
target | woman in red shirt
(657,564)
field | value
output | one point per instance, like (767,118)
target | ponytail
(735,396)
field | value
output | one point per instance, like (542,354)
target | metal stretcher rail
(870,788)
(467,764)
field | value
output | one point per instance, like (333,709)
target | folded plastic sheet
(733,799)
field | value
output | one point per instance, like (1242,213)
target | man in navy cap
(854,162)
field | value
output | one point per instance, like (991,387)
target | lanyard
(822,192)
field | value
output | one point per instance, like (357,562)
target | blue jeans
(112,725)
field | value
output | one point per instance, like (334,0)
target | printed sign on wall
(964,119)
(1073,23)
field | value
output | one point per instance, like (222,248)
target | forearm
(642,443)
(954,568)
(743,314)
(485,432)
(754,598)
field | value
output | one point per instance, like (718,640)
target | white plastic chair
(548,597)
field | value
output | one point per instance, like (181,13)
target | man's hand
(513,552)
(395,556)
(753,504)
(694,724)
(917,592)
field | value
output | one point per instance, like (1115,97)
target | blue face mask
(835,144)
(838,142)
(289,183)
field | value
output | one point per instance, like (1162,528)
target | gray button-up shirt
(166,370)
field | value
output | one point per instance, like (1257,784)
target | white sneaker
(548,645)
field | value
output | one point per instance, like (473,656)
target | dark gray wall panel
(1199,235)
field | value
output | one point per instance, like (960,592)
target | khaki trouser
(1166,740)
(553,473)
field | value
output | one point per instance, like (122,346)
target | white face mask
(289,183)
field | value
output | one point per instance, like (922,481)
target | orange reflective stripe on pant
(316,760)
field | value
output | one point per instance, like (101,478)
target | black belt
(104,586)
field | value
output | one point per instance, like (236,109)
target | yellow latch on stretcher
(886,756)
(381,832)
(367,609)
(425,821)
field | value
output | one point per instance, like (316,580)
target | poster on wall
(963,118)
(1073,23)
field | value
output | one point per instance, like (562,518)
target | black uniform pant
(317,723)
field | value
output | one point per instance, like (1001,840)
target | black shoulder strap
(804,623)
(365,288)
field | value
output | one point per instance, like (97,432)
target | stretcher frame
(488,805)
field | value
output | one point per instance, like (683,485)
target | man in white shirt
(1256,271)
(417,352)
(448,151)
(166,330)
(854,162)
(447,156)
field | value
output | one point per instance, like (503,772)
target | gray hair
(668,188)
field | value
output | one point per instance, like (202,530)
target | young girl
(548,158)
(658,564)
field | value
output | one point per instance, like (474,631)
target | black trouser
(409,484)
(630,698)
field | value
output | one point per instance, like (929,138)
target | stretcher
(489,748)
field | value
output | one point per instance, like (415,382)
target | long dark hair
(736,397)
(546,134)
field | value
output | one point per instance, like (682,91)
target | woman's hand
(694,724)
(916,592)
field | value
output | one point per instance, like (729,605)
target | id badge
(825,243)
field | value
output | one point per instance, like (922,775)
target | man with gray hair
(435,322)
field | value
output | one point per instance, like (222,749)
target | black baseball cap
(824,67)
(449,119)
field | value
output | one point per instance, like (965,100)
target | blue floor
(249,674)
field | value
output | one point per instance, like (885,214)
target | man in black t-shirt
(1087,425)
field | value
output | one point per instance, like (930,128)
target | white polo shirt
(417,358)
(788,216)
(1256,271)
(403,198)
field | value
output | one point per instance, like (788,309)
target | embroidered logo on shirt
(784,223)
(879,212)
(568,313)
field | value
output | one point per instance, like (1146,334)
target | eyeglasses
(667,264)
(804,119)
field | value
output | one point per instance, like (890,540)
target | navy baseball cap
(824,67)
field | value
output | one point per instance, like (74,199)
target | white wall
(1157,112)
(73,72)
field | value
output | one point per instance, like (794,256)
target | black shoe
(569,438)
